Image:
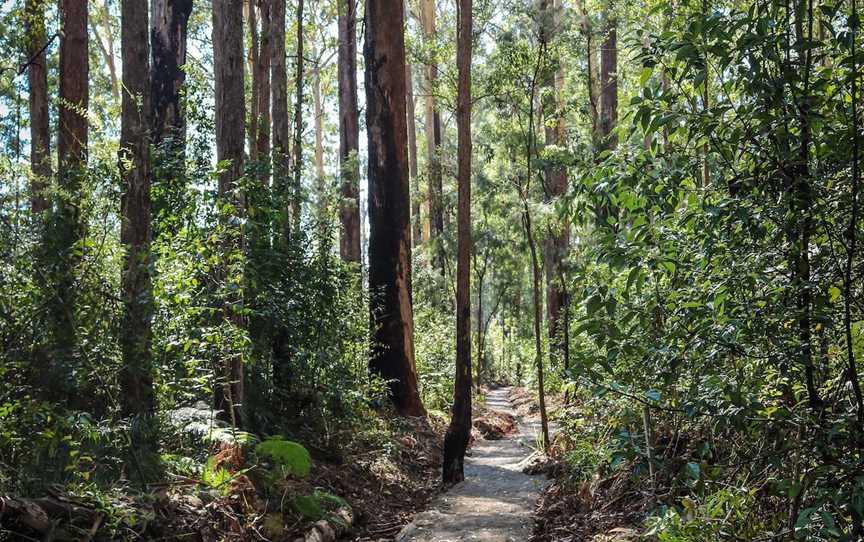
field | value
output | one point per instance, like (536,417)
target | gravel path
(496,500)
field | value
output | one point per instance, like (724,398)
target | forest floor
(496,501)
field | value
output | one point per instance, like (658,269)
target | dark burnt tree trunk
(136,374)
(37,79)
(349,133)
(72,162)
(296,194)
(459,431)
(230,128)
(416,224)
(168,35)
(389,205)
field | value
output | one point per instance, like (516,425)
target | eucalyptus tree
(389,205)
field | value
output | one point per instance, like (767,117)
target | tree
(228,71)
(416,224)
(349,132)
(558,238)
(281,119)
(262,74)
(136,375)
(459,431)
(389,205)
(37,80)
(433,132)
(168,34)
(296,198)
(66,227)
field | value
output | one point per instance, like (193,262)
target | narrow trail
(496,500)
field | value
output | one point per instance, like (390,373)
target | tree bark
(252,132)
(433,134)
(459,431)
(609,83)
(296,196)
(557,242)
(37,79)
(416,224)
(281,120)
(262,69)
(72,161)
(136,374)
(168,33)
(228,72)
(349,133)
(389,205)
(318,110)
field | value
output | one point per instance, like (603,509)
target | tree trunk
(228,73)
(296,195)
(136,374)
(609,83)
(37,79)
(459,431)
(416,224)
(320,186)
(349,133)
(254,42)
(389,205)
(281,122)
(72,162)
(433,135)
(168,34)
(263,100)
(557,242)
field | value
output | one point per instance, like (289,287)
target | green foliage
(291,457)
(319,505)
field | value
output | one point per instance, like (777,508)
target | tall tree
(609,81)
(262,74)
(298,122)
(433,129)
(136,375)
(230,133)
(416,225)
(349,133)
(558,237)
(459,431)
(37,80)
(389,205)
(168,35)
(72,140)
(281,121)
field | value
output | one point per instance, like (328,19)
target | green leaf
(291,456)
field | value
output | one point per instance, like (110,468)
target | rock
(321,532)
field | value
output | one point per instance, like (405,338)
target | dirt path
(496,500)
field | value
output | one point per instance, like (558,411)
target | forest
(431,270)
